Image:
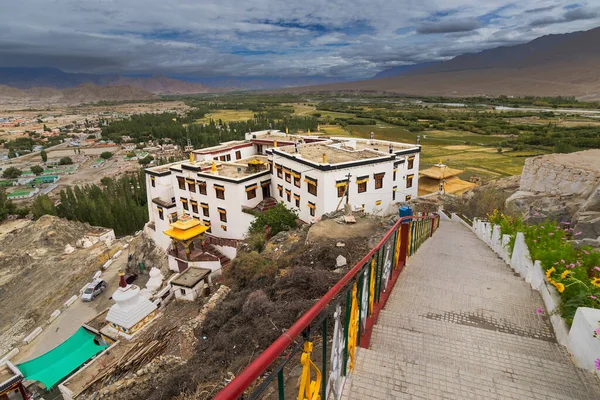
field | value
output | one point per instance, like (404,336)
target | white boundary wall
(579,340)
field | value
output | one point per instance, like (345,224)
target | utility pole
(348,188)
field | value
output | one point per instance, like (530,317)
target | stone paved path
(460,325)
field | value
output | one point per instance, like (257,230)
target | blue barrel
(405,211)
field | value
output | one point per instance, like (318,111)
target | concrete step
(502,366)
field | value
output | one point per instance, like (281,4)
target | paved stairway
(460,325)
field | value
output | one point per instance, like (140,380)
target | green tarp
(51,367)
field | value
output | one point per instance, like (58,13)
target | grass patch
(227,116)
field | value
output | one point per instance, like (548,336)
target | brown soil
(270,291)
(36,278)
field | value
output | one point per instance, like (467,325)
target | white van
(93,289)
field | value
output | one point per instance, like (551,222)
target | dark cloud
(448,26)
(539,10)
(338,38)
(577,14)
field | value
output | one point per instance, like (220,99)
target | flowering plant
(575,273)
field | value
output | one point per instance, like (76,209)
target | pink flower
(562,261)
(571,266)
(578,233)
(542,226)
(586,252)
(551,234)
(578,264)
(565,223)
(534,241)
(597,364)
(593,297)
(536,214)
(539,311)
(597,331)
(597,268)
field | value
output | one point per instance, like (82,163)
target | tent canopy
(51,367)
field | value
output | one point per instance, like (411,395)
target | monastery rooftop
(237,169)
(334,155)
(191,276)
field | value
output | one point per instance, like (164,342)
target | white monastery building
(218,186)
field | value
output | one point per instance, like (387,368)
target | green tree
(65,161)
(4,203)
(11,173)
(44,155)
(146,160)
(279,219)
(42,205)
(36,169)
(106,155)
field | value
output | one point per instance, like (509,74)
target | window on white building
(312,208)
(409,181)
(411,163)
(361,181)
(296,176)
(191,185)
(181,182)
(379,180)
(297,199)
(220,192)
(251,191)
(222,214)
(184,203)
(161,213)
(311,185)
(194,206)
(204,207)
(202,187)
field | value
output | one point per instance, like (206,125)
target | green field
(20,192)
(227,116)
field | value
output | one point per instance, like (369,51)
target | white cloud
(346,38)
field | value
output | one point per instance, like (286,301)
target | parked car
(130,278)
(93,289)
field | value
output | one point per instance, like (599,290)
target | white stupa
(131,311)
(155,281)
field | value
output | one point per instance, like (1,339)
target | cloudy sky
(336,38)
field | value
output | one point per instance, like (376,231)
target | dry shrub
(247,268)
(479,202)
(256,241)
(257,304)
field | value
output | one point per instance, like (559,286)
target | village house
(221,187)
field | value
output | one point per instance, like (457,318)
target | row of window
(192,184)
(288,197)
(227,157)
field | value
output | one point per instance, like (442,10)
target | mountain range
(551,65)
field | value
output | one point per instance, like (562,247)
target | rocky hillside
(164,85)
(565,187)
(552,65)
(37,277)
(85,93)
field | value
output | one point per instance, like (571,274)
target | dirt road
(73,317)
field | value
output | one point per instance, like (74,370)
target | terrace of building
(328,154)
(238,169)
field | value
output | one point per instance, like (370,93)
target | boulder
(69,249)
(340,261)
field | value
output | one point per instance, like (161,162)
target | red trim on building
(238,146)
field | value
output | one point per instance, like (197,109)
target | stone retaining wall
(540,174)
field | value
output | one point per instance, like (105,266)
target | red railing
(408,233)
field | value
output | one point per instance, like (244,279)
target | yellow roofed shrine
(185,228)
